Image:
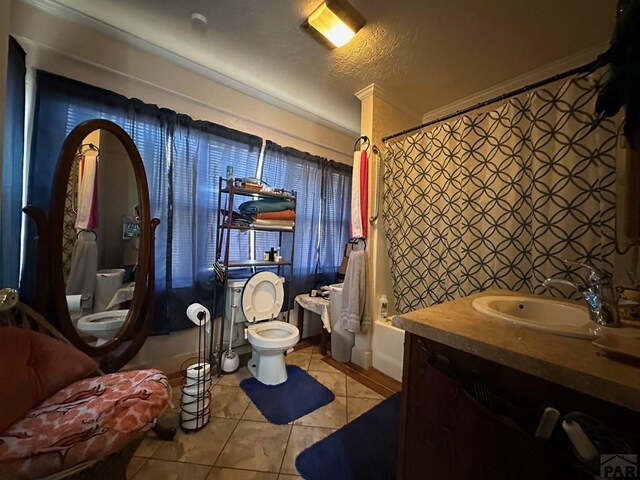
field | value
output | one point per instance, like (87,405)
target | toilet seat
(274,335)
(104,321)
(262,297)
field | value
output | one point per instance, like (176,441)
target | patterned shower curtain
(499,199)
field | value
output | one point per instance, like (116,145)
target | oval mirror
(100,227)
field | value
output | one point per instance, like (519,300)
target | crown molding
(66,13)
(375,90)
(580,58)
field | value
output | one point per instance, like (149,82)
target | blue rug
(363,449)
(299,395)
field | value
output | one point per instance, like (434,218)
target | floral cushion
(87,420)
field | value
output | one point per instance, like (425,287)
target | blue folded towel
(266,205)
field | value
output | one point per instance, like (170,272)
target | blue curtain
(183,159)
(322,213)
(12,155)
(336,215)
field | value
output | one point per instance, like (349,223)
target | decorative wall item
(498,199)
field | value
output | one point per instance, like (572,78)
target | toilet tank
(234,297)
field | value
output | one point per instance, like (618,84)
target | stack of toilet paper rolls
(195,404)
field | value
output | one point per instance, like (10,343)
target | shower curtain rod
(574,71)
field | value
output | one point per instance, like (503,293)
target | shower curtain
(500,198)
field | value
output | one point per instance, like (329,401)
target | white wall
(65,48)
(378,117)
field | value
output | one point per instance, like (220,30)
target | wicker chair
(111,466)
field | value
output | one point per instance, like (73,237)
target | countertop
(572,362)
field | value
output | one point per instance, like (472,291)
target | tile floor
(239,443)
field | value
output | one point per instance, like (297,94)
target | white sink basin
(540,313)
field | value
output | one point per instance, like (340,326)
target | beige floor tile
(228,402)
(317,365)
(135,464)
(163,470)
(332,415)
(336,382)
(299,358)
(234,474)
(254,414)
(288,477)
(356,389)
(149,446)
(300,439)
(255,446)
(202,447)
(357,406)
(234,379)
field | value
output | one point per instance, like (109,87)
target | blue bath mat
(365,448)
(299,395)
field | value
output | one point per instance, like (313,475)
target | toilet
(103,325)
(260,303)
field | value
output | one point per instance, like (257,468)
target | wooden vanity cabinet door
(448,434)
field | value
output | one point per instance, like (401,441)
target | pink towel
(359,195)
(364,191)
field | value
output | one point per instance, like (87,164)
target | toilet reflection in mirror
(101,231)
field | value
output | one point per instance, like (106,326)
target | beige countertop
(572,362)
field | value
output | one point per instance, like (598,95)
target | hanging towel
(87,216)
(359,195)
(84,265)
(364,192)
(266,205)
(355,316)
(283,215)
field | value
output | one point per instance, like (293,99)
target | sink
(540,313)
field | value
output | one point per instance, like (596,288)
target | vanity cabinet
(465,417)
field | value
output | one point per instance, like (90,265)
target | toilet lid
(262,296)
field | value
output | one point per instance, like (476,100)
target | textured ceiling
(424,53)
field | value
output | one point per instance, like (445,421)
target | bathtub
(388,349)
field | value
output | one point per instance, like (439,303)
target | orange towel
(283,215)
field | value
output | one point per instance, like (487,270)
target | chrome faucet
(599,294)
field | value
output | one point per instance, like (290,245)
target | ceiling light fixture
(334,23)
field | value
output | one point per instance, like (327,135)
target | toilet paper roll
(199,372)
(107,284)
(194,423)
(195,388)
(195,405)
(194,312)
(74,303)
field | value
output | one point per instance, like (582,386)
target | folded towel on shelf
(283,215)
(266,205)
(274,223)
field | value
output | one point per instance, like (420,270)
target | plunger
(230,359)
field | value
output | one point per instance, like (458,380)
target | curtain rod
(574,71)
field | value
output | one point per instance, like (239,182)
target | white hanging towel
(355,316)
(84,265)
(359,194)
(87,216)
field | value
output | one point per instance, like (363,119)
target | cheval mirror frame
(50,283)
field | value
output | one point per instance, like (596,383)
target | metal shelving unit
(223,262)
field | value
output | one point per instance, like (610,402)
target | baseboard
(370,377)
